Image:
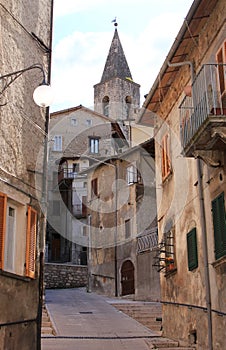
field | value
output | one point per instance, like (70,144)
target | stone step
(148,314)
(47,327)
(166,344)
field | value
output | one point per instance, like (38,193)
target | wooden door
(127,278)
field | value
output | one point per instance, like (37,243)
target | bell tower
(117,96)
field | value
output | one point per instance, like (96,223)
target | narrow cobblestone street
(87,321)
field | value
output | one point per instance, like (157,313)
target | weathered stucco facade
(25,40)
(79,137)
(189,189)
(122,209)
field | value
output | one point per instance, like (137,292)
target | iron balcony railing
(207,98)
(147,240)
(68,173)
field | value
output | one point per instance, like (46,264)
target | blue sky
(83,32)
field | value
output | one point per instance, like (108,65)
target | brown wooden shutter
(31,242)
(3,206)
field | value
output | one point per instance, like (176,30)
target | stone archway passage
(127,278)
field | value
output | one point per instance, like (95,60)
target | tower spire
(116,65)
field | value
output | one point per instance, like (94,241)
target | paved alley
(87,321)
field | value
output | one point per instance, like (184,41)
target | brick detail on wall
(64,276)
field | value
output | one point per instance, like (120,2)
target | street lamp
(43,94)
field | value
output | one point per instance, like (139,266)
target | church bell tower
(117,96)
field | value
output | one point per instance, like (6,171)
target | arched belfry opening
(105,104)
(128,101)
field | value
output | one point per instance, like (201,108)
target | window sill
(220,265)
(14,276)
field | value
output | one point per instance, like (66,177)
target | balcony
(203,115)
(69,174)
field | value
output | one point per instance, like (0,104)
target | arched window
(128,101)
(105,103)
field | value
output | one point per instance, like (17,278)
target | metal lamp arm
(11,77)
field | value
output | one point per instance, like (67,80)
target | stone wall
(65,276)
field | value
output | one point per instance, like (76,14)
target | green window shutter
(219,225)
(192,250)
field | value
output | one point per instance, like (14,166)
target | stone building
(187,101)
(122,224)
(25,41)
(117,95)
(80,137)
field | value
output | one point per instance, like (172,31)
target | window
(221,58)
(88,122)
(94,145)
(57,145)
(75,167)
(131,174)
(166,164)
(192,250)
(74,121)
(127,228)
(10,239)
(17,237)
(84,206)
(94,188)
(219,225)
(3,207)
(31,242)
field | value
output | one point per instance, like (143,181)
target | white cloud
(78,59)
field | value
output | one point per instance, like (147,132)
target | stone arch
(105,105)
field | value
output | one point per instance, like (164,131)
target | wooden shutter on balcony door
(31,242)
(3,206)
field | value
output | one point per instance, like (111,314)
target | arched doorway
(127,278)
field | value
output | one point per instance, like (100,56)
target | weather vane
(115,22)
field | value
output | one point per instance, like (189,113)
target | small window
(94,187)
(89,122)
(192,250)
(57,145)
(221,59)
(131,174)
(166,163)
(75,167)
(127,228)
(74,122)
(219,225)
(94,145)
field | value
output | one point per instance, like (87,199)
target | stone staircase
(150,315)
(47,327)
(147,313)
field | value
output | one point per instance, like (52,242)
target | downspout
(116,229)
(202,220)
(44,196)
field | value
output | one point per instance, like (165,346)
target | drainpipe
(116,229)
(202,220)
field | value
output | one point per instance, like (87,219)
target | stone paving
(87,321)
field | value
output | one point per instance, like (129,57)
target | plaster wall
(179,207)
